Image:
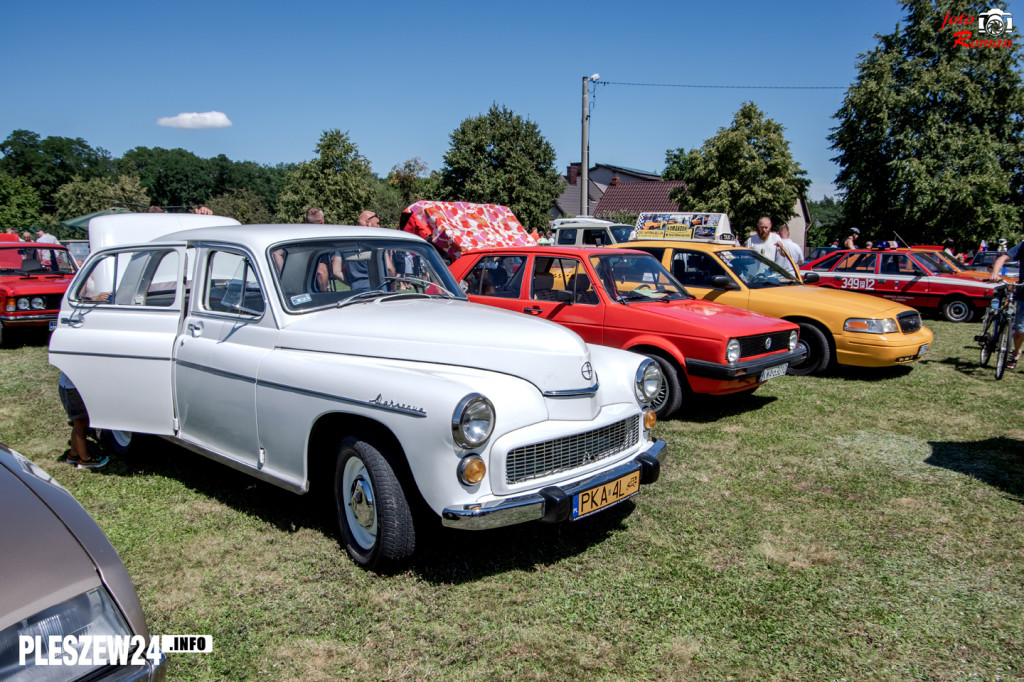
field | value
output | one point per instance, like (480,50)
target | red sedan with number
(915,278)
(626,299)
(33,278)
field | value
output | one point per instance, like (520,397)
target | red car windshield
(636,276)
(21,260)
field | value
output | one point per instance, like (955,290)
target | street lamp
(585,188)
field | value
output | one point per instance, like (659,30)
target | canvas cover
(455,227)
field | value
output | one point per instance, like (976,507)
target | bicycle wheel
(1005,348)
(989,336)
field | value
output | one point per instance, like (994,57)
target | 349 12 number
(858,283)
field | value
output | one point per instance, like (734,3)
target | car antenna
(905,244)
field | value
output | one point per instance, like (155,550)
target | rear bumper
(744,369)
(552,504)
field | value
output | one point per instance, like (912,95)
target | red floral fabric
(456,226)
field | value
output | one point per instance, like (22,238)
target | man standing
(851,240)
(792,248)
(44,237)
(368,219)
(1018,321)
(766,242)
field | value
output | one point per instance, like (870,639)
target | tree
(80,197)
(501,158)
(408,179)
(827,222)
(19,202)
(745,170)
(172,177)
(243,205)
(929,136)
(338,181)
(49,163)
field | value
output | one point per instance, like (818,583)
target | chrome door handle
(195,328)
(533,311)
(71,321)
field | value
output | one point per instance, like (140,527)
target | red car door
(563,290)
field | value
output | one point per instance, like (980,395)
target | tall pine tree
(929,136)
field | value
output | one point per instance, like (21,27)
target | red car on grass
(626,299)
(33,278)
(919,279)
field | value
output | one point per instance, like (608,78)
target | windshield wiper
(425,283)
(364,296)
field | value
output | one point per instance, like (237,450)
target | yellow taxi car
(836,327)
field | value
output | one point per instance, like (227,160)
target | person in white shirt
(44,237)
(792,248)
(766,242)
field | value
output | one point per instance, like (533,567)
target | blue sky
(401,76)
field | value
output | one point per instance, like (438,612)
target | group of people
(776,245)
(42,236)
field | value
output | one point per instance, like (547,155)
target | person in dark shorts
(73,405)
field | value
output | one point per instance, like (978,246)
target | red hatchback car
(626,299)
(33,278)
(916,278)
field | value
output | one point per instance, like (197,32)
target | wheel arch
(822,327)
(678,362)
(326,435)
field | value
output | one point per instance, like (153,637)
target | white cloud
(194,121)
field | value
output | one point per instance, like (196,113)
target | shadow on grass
(712,408)
(973,367)
(866,374)
(27,336)
(443,555)
(999,462)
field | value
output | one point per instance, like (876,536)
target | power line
(729,87)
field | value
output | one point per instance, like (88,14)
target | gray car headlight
(649,380)
(92,613)
(870,326)
(732,351)
(473,421)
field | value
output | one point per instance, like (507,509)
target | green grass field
(868,524)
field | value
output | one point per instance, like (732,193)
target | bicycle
(997,328)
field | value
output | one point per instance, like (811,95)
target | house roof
(569,201)
(638,197)
(633,171)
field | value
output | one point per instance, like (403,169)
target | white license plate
(773,372)
(922,350)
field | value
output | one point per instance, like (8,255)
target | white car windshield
(325,273)
(755,270)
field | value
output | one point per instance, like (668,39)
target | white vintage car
(348,357)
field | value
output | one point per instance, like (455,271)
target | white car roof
(135,228)
(258,238)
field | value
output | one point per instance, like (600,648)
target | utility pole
(585,164)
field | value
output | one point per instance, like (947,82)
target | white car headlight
(732,350)
(793,338)
(649,381)
(870,326)
(92,613)
(473,421)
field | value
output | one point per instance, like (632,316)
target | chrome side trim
(574,392)
(111,355)
(374,403)
(531,507)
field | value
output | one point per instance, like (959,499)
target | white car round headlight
(473,421)
(23,304)
(732,351)
(38,303)
(649,381)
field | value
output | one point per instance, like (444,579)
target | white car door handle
(195,328)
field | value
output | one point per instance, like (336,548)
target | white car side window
(231,285)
